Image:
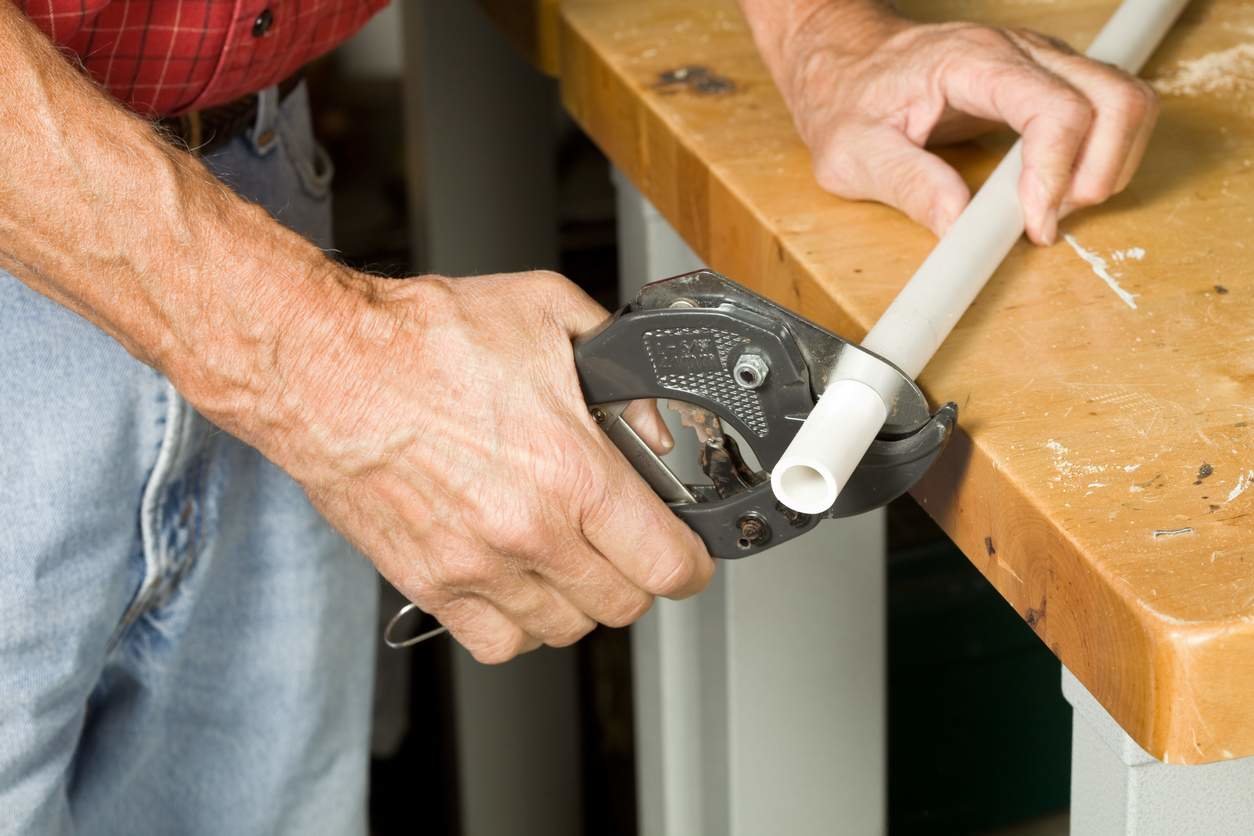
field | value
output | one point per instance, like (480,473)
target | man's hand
(869,90)
(439,424)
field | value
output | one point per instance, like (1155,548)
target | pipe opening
(804,488)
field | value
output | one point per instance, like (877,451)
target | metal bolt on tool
(750,371)
(753,531)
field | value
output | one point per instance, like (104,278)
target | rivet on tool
(598,414)
(753,531)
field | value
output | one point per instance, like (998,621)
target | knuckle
(1055,43)
(1141,101)
(670,573)
(428,594)
(1090,192)
(832,170)
(1130,105)
(548,277)
(550,283)
(598,506)
(497,650)
(525,533)
(1075,109)
(985,37)
(471,571)
(570,633)
(627,609)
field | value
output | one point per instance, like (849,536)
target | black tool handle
(691,355)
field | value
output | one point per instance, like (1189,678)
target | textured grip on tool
(690,355)
(698,361)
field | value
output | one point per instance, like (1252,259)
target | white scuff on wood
(1069,469)
(1225,71)
(1244,481)
(1163,533)
(1102,270)
(1130,254)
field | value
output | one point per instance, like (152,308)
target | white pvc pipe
(840,429)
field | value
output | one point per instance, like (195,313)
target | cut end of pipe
(822,457)
(805,487)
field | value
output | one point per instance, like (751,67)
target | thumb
(893,170)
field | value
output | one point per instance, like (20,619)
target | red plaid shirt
(162,57)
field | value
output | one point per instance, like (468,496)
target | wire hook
(413,640)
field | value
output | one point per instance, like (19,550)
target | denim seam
(155,559)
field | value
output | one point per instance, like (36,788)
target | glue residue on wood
(1226,71)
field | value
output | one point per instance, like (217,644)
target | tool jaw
(722,355)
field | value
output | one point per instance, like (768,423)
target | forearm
(100,213)
(777,23)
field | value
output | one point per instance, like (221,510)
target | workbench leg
(760,704)
(481,161)
(1118,788)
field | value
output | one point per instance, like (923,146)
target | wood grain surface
(1100,476)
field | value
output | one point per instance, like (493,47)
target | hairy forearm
(100,213)
(777,23)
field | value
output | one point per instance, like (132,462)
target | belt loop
(263,135)
(195,131)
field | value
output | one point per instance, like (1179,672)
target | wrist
(275,311)
(305,379)
(781,29)
(794,38)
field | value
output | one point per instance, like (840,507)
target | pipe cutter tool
(725,356)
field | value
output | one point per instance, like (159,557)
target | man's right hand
(440,426)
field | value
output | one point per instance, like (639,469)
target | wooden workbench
(1099,476)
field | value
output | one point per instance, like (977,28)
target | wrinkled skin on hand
(445,434)
(868,107)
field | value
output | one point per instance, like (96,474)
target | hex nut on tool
(750,371)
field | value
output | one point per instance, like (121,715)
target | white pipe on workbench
(849,415)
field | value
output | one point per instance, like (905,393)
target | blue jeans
(185,646)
